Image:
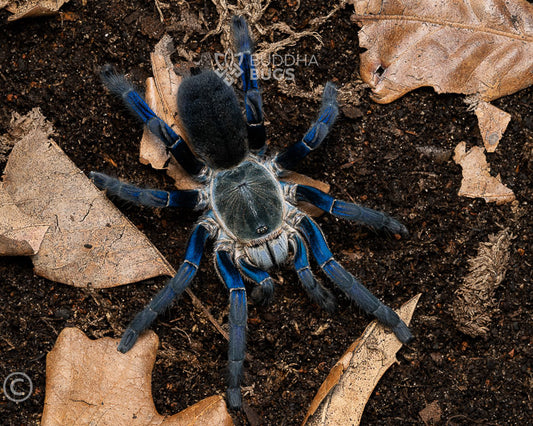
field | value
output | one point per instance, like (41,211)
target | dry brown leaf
(20,235)
(32,8)
(90,382)
(477,181)
(89,242)
(480,47)
(161,96)
(342,397)
(475,305)
(492,123)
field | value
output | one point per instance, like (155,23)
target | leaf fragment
(492,123)
(90,382)
(477,181)
(89,242)
(20,235)
(431,414)
(32,8)
(342,397)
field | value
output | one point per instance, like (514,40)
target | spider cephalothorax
(247,210)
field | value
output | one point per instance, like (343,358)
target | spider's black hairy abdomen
(212,118)
(248,200)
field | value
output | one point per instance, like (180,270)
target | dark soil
(371,157)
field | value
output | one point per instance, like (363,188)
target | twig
(158,7)
(196,302)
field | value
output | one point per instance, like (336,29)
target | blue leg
(172,290)
(363,215)
(252,96)
(263,293)
(238,316)
(316,133)
(316,291)
(145,197)
(121,87)
(347,282)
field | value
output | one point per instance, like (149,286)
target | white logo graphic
(18,387)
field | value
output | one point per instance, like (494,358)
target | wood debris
(475,305)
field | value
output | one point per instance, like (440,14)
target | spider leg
(146,197)
(238,316)
(347,282)
(316,291)
(252,96)
(263,293)
(121,87)
(316,133)
(172,290)
(363,215)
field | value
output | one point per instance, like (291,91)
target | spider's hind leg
(120,86)
(172,290)
(347,282)
(316,291)
(146,197)
(252,96)
(316,133)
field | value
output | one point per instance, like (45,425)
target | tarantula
(251,215)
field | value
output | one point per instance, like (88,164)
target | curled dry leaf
(342,397)
(20,235)
(90,382)
(32,8)
(161,95)
(474,47)
(477,181)
(475,304)
(480,47)
(88,242)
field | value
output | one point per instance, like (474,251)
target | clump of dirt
(382,156)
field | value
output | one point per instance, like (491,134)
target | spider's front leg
(172,290)
(316,133)
(347,282)
(121,87)
(252,96)
(238,316)
(374,219)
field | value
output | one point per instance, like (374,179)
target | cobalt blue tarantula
(247,210)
